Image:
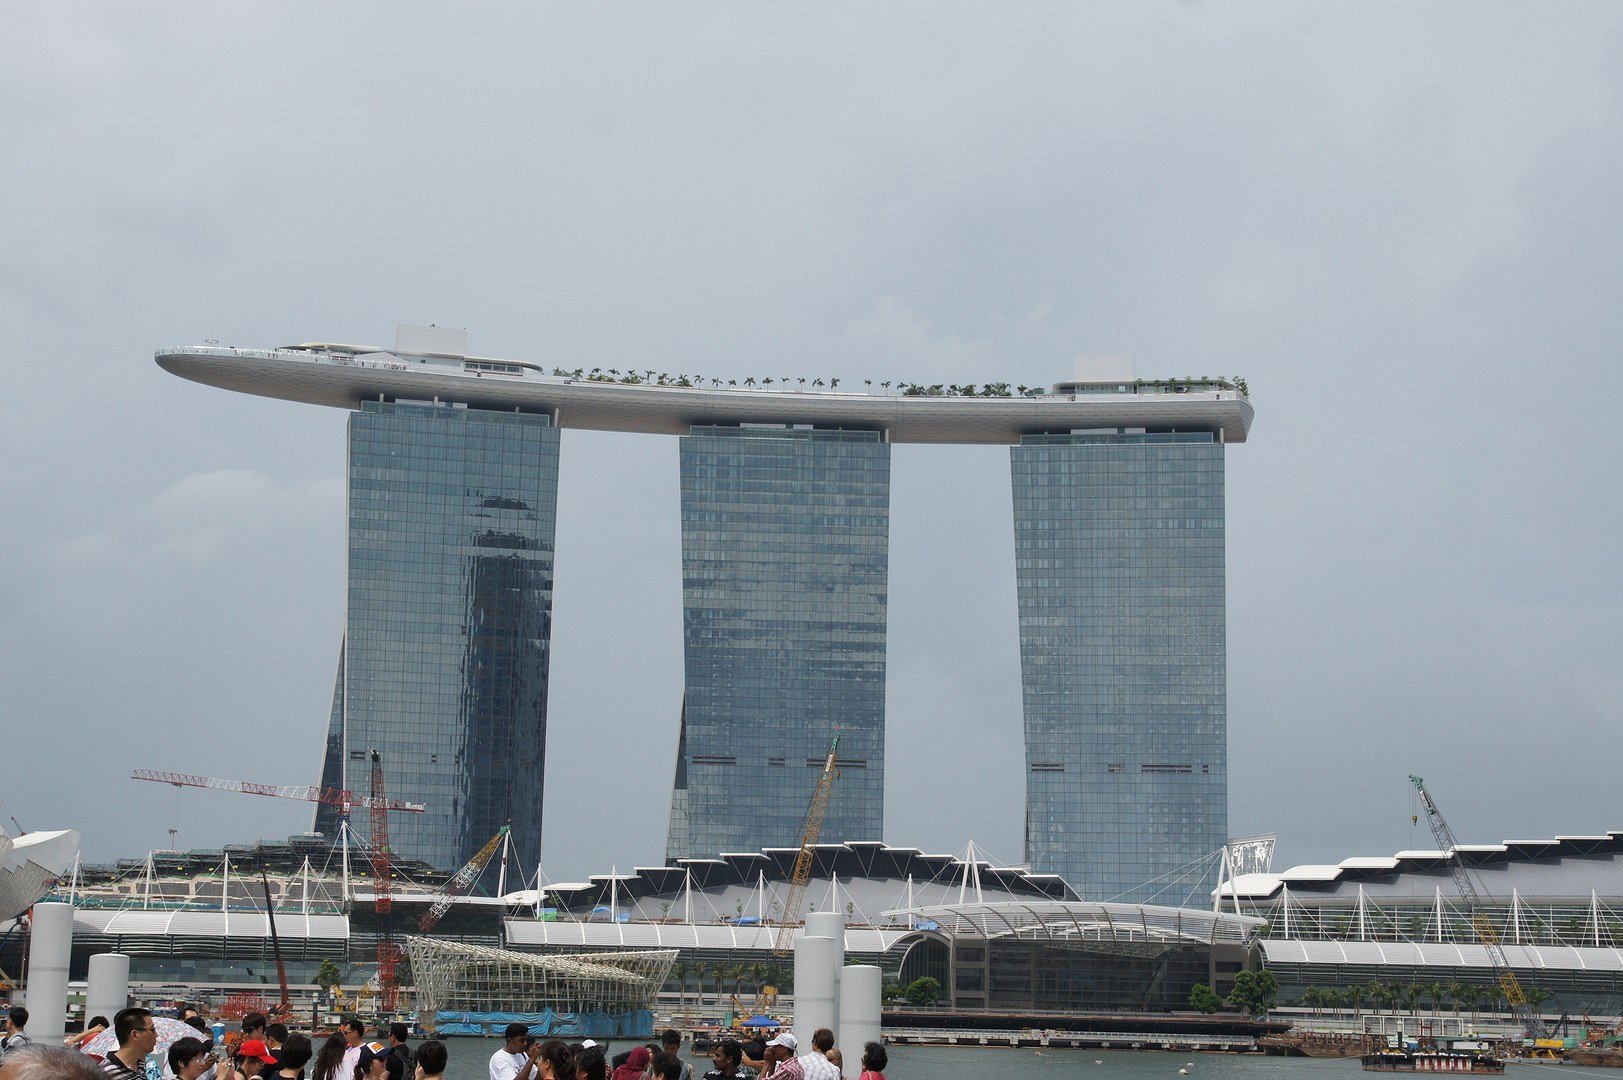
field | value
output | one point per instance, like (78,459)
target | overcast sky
(1400,222)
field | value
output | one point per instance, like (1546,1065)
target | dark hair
(399,1032)
(18,1015)
(874,1058)
(432,1057)
(755,1048)
(330,1058)
(591,1065)
(277,1032)
(732,1051)
(670,1035)
(254,1021)
(182,1051)
(295,1051)
(668,1067)
(125,1022)
(823,1040)
(555,1052)
(98,1021)
(357,1027)
(198,1023)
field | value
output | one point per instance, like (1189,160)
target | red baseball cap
(256,1048)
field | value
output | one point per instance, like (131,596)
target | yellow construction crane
(803,861)
(1477,913)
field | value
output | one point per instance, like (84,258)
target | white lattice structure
(454,977)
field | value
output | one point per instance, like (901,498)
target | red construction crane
(388,951)
(332,796)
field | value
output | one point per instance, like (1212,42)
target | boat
(1478,1062)
(1605,1056)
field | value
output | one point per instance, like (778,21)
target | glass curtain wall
(785,556)
(1120,569)
(452,514)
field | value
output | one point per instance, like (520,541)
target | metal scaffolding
(454,977)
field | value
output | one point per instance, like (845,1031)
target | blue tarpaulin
(761,1022)
(636,1024)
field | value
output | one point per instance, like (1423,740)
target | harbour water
(470,1060)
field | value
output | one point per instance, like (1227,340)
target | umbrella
(170,1031)
(761,1022)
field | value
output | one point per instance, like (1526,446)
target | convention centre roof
(1561,867)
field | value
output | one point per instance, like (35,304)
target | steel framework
(454,977)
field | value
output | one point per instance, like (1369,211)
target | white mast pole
(501,874)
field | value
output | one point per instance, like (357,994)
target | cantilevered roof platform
(342,376)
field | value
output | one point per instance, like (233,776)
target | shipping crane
(1515,996)
(464,878)
(331,796)
(388,951)
(803,861)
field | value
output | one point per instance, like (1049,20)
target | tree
(679,972)
(923,990)
(327,975)
(1254,992)
(1203,998)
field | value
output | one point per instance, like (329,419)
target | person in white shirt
(517,1057)
(816,1065)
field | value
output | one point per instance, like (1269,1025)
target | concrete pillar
(829,924)
(817,975)
(108,987)
(861,987)
(49,949)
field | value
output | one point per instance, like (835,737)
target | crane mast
(803,861)
(461,880)
(1509,985)
(388,951)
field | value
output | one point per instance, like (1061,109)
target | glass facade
(452,514)
(785,557)
(1119,562)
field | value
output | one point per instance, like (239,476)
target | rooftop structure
(1555,905)
(343,376)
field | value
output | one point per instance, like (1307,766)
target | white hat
(785,1039)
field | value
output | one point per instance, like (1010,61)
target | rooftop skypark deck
(342,376)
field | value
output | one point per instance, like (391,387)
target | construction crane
(463,879)
(388,951)
(803,861)
(1515,996)
(283,1010)
(331,796)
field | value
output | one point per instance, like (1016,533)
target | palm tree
(700,970)
(679,971)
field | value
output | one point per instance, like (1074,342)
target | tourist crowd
(269,1051)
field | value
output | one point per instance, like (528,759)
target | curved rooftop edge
(1535,867)
(344,376)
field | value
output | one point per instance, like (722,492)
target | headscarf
(635,1065)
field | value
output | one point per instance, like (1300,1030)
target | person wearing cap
(516,1060)
(781,1063)
(253,1058)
